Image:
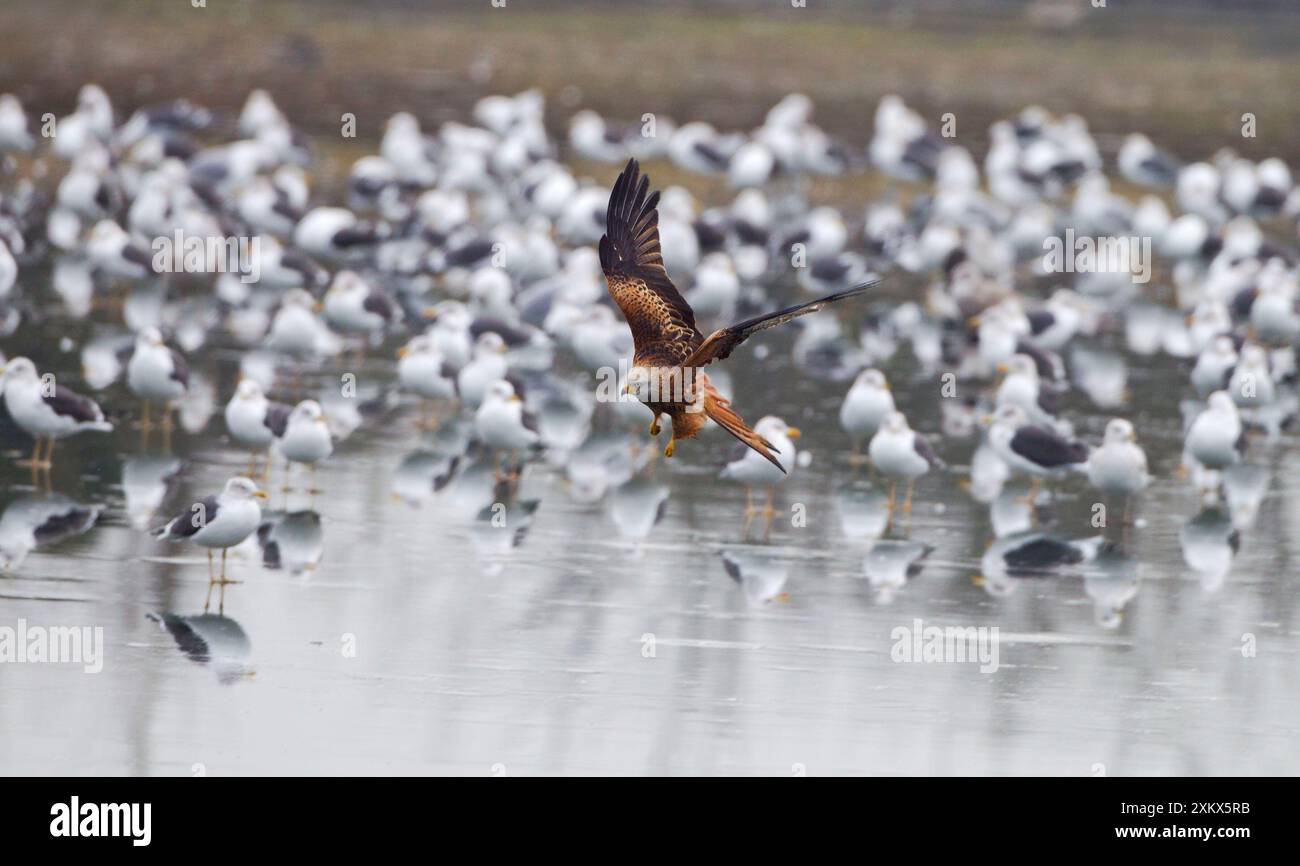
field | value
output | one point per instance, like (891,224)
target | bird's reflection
(1011,513)
(864,513)
(1244,488)
(502,524)
(1209,542)
(636,506)
(760,573)
(603,461)
(890,564)
(146,480)
(422,474)
(210,639)
(1111,581)
(40,520)
(294,541)
(1032,555)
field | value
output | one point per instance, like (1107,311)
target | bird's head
(248,390)
(502,391)
(18,370)
(243,488)
(149,337)
(309,411)
(1120,430)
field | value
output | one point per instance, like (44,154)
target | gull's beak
(793,432)
(515,398)
(260,494)
(977,579)
(889,388)
(404,351)
(1003,367)
(986,419)
(317,306)
(973,322)
(430,312)
(1133,437)
(504,348)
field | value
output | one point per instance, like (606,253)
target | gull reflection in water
(1209,542)
(1111,581)
(1244,488)
(890,564)
(210,639)
(1033,555)
(40,520)
(294,542)
(760,573)
(635,507)
(421,475)
(864,513)
(146,481)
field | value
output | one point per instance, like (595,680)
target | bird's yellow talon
(654,427)
(668,452)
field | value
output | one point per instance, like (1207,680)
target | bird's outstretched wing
(662,323)
(720,343)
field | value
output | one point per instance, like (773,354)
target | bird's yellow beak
(986,419)
(430,312)
(317,306)
(404,351)
(515,398)
(889,388)
(973,322)
(1133,437)
(793,432)
(1003,367)
(260,494)
(977,579)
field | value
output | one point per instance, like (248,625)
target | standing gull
(45,410)
(865,407)
(751,469)
(1119,466)
(1029,449)
(897,452)
(156,374)
(217,522)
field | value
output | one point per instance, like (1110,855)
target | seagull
(332,232)
(751,469)
(353,306)
(669,349)
(488,365)
(1033,450)
(1214,366)
(865,407)
(306,437)
(897,451)
(1215,439)
(502,422)
(156,374)
(422,371)
(46,410)
(1119,466)
(218,522)
(253,420)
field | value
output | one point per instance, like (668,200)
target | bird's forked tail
(718,408)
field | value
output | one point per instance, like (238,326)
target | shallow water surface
(602,620)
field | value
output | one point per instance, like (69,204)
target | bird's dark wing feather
(656,312)
(72,405)
(922,447)
(380,304)
(1042,446)
(277,418)
(720,343)
(180,369)
(1040,555)
(194,518)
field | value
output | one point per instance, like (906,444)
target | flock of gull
(475,253)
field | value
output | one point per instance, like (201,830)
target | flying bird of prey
(669,349)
